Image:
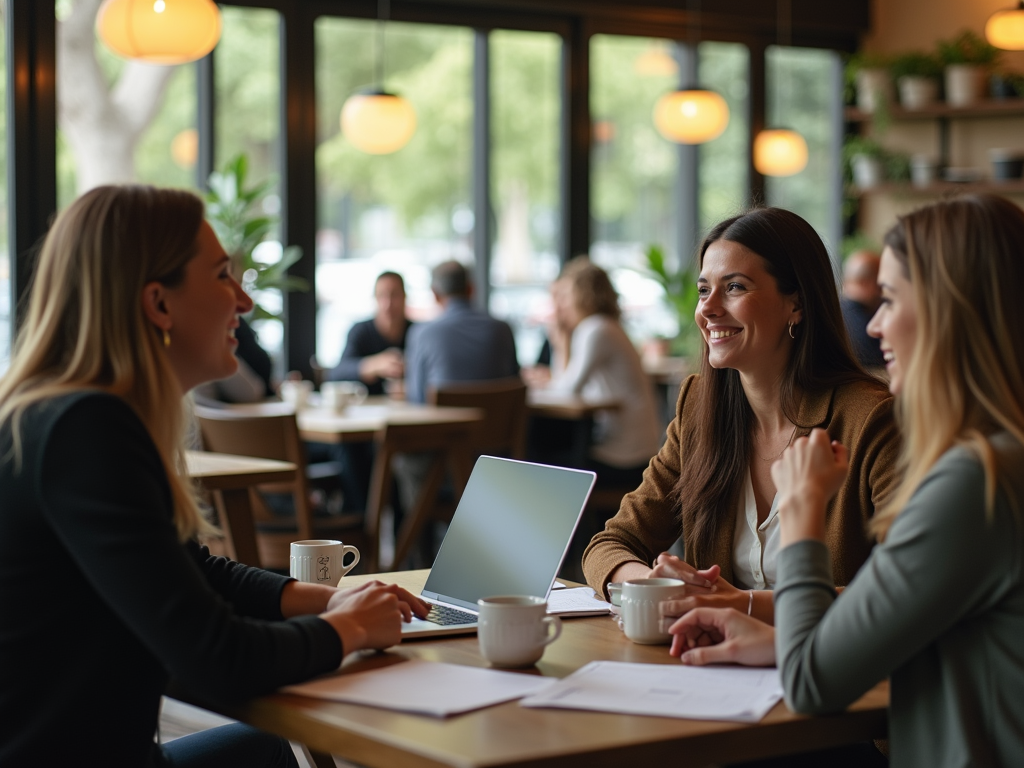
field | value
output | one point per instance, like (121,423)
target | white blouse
(603,363)
(755,547)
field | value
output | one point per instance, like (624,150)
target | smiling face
(895,322)
(202,313)
(741,313)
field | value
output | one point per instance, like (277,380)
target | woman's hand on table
(810,472)
(371,615)
(718,635)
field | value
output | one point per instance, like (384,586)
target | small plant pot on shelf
(965,84)
(917,92)
(1007,164)
(923,170)
(874,88)
(868,171)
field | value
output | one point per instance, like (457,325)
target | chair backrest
(503,401)
(263,436)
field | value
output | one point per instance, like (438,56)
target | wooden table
(230,478)
(396,427)
(569,407)
(510,735)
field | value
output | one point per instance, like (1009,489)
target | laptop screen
(510,531)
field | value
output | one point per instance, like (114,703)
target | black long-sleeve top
(100,604)
(364,340)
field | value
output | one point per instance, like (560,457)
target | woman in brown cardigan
(775,364)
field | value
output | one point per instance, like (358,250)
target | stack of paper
(579,601)
(702,693)
(423,687)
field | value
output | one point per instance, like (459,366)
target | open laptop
(508,537)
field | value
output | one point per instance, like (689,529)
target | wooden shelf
(939,109)
(942,188)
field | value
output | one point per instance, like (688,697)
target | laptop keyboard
(446,617)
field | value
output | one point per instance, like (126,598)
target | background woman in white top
(595,359)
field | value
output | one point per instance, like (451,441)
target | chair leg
(318,759)
(380,489)
(425,503)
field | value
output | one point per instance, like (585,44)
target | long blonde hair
(965,378)
(85,327)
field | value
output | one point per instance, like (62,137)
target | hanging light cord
(383,14)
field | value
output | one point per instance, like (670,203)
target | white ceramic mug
(296,392)
(515,629)
(641,618)
(339,395)
(321,561)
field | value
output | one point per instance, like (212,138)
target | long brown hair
(965,376)
(716,447)
(85,327)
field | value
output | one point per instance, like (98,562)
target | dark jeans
(229,746)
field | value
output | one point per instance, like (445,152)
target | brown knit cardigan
(859,415)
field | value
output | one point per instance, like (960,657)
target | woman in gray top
(939,606)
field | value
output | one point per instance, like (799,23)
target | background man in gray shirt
(463,344)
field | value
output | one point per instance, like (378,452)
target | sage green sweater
(938,607)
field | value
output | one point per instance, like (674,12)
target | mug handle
(556,623)
(355,559)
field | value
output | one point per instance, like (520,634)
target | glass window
(248,106)
(723,162)
(6,298)
(118,120)
(801,95)
(405,211)
(525,145)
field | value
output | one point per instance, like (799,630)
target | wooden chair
(277,437)
(502,432)
(447,444)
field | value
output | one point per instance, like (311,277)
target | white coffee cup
(339,395)
(514,629)
(321,561)
(641,618)
(296,392)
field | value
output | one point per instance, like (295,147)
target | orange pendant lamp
(691,115)
(1005,29)
(159,31)
(373,120)
(780,151)
(377,122)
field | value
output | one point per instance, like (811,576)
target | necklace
(788,443)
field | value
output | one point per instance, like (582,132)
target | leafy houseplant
(235,213)
(867,163)
(967,58)
(916,74)
(680,288)
(868,83)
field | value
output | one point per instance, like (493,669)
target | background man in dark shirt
(861,297)
(374,350)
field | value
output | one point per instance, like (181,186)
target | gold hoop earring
(791,334)
(167,339)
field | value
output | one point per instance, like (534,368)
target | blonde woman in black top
(104,593)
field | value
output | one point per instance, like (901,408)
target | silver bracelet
(750,605)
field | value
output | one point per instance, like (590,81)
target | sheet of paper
(423,687)
(578,601)
(743,694)
(558,585)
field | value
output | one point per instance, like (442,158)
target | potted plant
(868,74)
(236,214)
(917,78)
(864,160)
(680,288)
(967,59)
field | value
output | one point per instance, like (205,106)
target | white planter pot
(874,87)
(965,84)
(923,170)
(917,92)
(868,171)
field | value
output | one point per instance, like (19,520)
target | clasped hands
(807,475)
